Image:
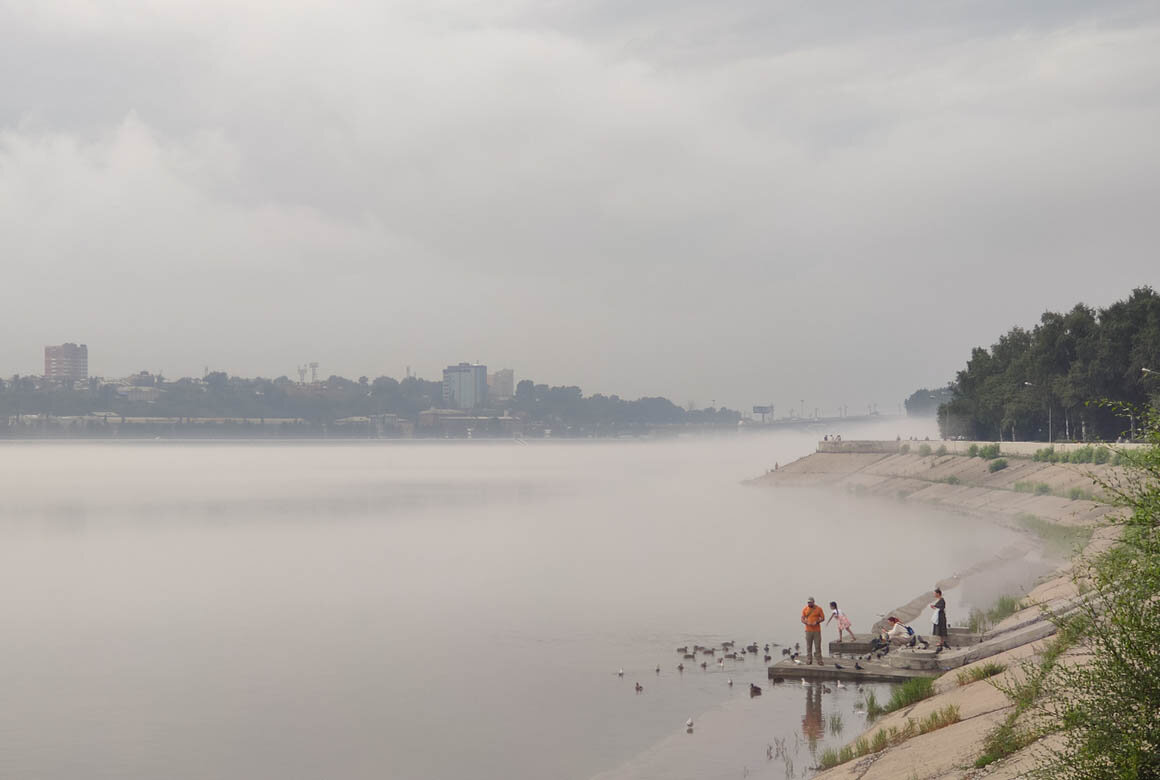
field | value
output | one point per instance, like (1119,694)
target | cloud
(737,202)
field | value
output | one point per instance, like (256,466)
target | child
(843,622)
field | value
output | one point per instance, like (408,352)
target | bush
(1102,455)
(1042,489)
(973,451)
(1024,487)
(1078,492)
(997,465)
(942,450)
(924,450)
(989,451)
(905,448)
(1044,455)
(951,480)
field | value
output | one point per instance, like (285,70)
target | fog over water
(426,610)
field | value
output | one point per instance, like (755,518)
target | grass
(951,480)
(1005,606)
(873,708)
(990,669)
(1060,540)
(836,723)
(886,737)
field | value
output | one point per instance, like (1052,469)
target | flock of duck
(730,651)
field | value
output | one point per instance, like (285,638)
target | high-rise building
(68,362)
(502,384)
(464,386)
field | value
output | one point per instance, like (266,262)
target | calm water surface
(427,610)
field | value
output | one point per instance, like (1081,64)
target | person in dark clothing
(939,620)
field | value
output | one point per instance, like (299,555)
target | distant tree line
(1054,377)
(219,395)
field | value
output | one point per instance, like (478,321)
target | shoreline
(949,752)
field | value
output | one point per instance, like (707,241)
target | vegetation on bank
(1034,380)
(892,735)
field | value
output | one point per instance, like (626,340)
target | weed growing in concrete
(976,673)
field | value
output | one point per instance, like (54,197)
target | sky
(739,202)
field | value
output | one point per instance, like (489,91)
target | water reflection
(812,728)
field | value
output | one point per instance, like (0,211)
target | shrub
(905,448)
(1023,487)
(1078,492)
(924,450)
(1083,454)
(973,451)
(1042,489)
(1101,456)
(989,451)
(942,450)
(1044,455)
(951,480)
(997,465)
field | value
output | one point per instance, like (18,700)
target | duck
(826,689)
(680,667)
(684,649)
(658,669)
(754,690)
(768,657)
(730,683)
(704,664)
(620,673)
(639,687)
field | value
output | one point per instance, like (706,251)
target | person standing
(843,622)
(812,617)
(938,620)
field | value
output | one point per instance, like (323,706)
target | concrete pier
(872,671)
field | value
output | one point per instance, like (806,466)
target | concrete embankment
(1051,495)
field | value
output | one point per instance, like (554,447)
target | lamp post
(1048,414)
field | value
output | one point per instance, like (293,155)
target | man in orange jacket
(812,617)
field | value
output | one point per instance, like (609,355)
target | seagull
(796,661)
(804,683)
(841,686)
(858,666)
(620,673)
(689,723)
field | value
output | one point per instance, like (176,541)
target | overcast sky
(740,200)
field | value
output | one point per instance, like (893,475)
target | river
(429,609)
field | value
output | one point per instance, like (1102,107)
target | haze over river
(428,609)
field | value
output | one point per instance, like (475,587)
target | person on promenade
(812,617)
(900,634)
(843,622)
(939,620)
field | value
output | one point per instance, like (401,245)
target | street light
(1048,414)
